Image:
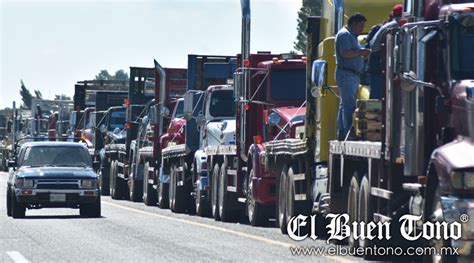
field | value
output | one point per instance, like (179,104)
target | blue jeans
(348,83)
(376,83)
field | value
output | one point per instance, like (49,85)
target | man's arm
(347,51)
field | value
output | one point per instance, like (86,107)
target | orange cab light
(422,180)
(126,102)
(246,107)
(128,125)
(276,60)
(402,21)
(467,10)
(305,59)
(257,139)
(246,63)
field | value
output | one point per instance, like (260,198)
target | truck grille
(57,184)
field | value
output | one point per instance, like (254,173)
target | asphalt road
(132,232)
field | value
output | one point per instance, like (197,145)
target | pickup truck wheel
(224,200)
(255,211)
(18,210)
(104,180)
(91,210)
(352,206)
(149,194)
(282,194)
(214,195)
(9,202)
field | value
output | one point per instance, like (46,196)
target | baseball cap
(397,10)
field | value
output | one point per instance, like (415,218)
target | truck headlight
(462,180)
(88,183)
(27,183)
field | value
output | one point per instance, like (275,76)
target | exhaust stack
(161,102)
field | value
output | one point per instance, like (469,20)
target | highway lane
(132,232)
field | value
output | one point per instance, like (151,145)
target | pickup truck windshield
(222,103)
(69,156)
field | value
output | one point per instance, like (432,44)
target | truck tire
(227,210)
(256,212)
(112,180)
(105,179)
(352,206)
(172,189)
(179,193)
(150,197)
(365,212)
(214,193)
(118,185)
(135,189)
(282,194)
(18,210)
(163,195)
(91,210)
(290,196)
(9,202)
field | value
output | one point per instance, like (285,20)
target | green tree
(309,8)
(25,96)
(38,94)
(61,97)
(105,75)
(121,75)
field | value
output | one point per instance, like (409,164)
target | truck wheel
(91,210)
(104,180)
(290,196)
(352,206)
(224,198)
(180,198)
(214,194)
(112,180)
(255,211)
(135,190)
(163,195)
(18,210)
(172,189)
(9,202)
(282,194)
(365,212)
(149,194)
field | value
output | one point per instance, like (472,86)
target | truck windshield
(179,109)
(462,53)
(222,103)
(117,120)
(71,156)
(288,85)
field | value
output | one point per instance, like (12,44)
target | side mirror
(223,126)
(12,163)
(103,128)
(164,111)
(201,120)
(274,119)
(188,105)
(238,83)
(318,77)
(153,115)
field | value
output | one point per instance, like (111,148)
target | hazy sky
(52,44)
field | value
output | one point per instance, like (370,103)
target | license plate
(57,197)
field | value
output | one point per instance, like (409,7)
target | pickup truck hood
(215,136)
(55,172)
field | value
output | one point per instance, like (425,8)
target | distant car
(53,174)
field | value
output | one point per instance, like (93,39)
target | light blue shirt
(345,40)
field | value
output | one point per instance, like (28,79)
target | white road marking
(17,257)
(221,229)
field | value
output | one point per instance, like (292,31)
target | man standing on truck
(375,60)
(350,63)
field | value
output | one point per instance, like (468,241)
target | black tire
(225,201)
(119,186)
(135,187)
(150,197)
(256,212)
(9,202)
(281,206)
(365,212)
(180,196)
(163,195)
(352,206)
(105,180)
(112,180)
(290,197)
(214,193)
(172,189)
(18,210)
(91,210)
